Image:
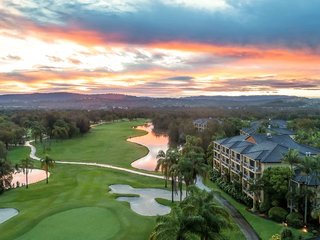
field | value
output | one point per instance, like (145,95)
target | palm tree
(193,165)
(291,157)
(256,186)
(315,214)
(46,164)
(208,217)
(173,156)
(177,172)
(26,165)
(310,166)
(174,226)
(163,165)
(166,161)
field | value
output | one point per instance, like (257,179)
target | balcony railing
(252,168)
(235,170)
(245,176)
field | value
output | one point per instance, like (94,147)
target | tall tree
(209,217)
(3,151)
(163,165)
(174,226)
(192,163)
(173,157)
(291,157)
(46,164)
(26,165)
(310,166)
(6,171)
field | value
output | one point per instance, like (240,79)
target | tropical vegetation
(198,216)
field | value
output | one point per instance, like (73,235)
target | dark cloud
(54,59)
(180,78)
(11,58)
(265,22)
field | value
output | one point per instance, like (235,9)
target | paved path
(245,227)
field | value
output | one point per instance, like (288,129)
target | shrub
(275,203)
(295,220)
(286,234)
(264,206)
(234,191)
(277,214)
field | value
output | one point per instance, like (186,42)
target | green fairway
(76,203)
(74,187)
(16,154)
(103,144)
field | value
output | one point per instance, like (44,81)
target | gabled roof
(309,180)
(267,149)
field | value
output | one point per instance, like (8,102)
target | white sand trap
(145,204)
(34,176)
(7,213)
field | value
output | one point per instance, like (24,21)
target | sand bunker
(145,204)
(7,213)
(34,176)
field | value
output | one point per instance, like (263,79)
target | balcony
(247,177)
(236,160)
(246,191)
(251,168)
(225,164)
(235,170)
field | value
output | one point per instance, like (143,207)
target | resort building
(201,124)
(243,158)
(276,126)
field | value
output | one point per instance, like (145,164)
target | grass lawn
(103,144)
(75,194)
(16,154)
(264,227)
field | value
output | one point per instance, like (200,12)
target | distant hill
(107,101)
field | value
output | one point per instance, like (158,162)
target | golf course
(77,204)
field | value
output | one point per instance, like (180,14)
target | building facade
(243,158)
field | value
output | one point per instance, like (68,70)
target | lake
(154,142)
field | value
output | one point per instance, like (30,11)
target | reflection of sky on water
(154,142)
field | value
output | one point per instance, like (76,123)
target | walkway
(245,227)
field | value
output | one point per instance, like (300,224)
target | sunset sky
(166,48)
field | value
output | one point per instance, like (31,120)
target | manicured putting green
(80,223)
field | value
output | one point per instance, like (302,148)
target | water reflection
(154,142)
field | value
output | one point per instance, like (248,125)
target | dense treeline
(177,122)
(52,124)
(307,131)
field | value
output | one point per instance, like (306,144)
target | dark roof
(278,123)
(268,149)
(254,126)
(309,180)
(201,121)
(282,131)
(276,126)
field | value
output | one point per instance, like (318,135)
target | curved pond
(154,142)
